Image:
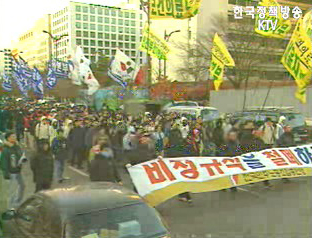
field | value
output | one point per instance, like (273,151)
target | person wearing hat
(287,138)
(43,129)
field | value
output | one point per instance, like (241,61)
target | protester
(60,152)
(159,138)
(268,135)
(43,130)
(12,159)
(42,166)
(218,133)
(287,138)
(103,167)
(279,127)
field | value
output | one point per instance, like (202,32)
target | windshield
(209,115)
(295,120)
(133,221)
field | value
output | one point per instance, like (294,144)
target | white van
(207,113)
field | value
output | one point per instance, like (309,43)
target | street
(253,212)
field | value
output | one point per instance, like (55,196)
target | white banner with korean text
(161,179)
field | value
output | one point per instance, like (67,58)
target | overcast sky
(17,16)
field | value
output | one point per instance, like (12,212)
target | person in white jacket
(43,129)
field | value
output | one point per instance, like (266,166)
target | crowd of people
(101,141)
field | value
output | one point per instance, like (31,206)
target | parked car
(93,210)
(180,104)
(295,119)
(207,113)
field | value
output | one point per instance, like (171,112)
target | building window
(132,23)
(141,16)
(127,14)
(106,43)
(92,26)
(100,11)
(113,28)
(100,19)
(132,30)
(127,22)
(120,45)
(120,29)
(107,36)
(85,26)
(107,52)
(78,8)
(85,17)
(86,50)
(113,36)
(120,22)
(141,24)
(127,38)
(92,18)
(100,43)
(120,14)
(113,12)
(127,45)
(133,46)
(127,30)
(93,59)
(107,28)
(127,52)
(120,37)
(114,44)
(85,34)
(92,42)
(78,25)
(100,35)
(113,21)
(132,38)
(132,15)
(85,9)
(106,12)
(92,10)
(106,20)
(100,27)
(93,50)
(92,34)
(85,42)
(78,17)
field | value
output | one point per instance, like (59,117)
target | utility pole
(55,40)
(167,38)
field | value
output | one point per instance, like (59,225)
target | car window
(28,217)
(295,120)
(209,115)
(133,221)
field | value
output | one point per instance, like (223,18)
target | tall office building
(34,45)
(5,61)
(98,28)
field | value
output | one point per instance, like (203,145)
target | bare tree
(248,49)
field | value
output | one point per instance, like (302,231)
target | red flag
(139,80)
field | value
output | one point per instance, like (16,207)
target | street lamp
(167,38)
(55,40)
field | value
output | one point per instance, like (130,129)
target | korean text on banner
(154,45)
(297,59)
(178,9)
(221,57)
(282,26)
(159,180)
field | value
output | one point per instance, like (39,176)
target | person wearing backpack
(60,154)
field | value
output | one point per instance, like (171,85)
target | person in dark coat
(218,134)
(60,153)
(42,166)
(76,142)
(287,138)
(103,166)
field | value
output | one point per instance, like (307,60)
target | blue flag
(51,79)
(37,82)
(6,83)
(19,77)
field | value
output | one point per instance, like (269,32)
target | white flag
(91,81)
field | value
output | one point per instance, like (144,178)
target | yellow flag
(297,59)
(282,26)
(307,23)
(154,45)
(221,57)
(178,9)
